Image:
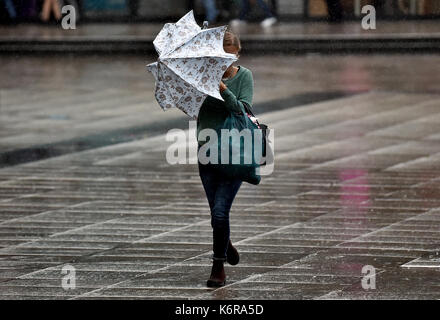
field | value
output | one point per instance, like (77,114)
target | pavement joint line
(101,251)
(378,255)
(8,181)
(408,200)
(79,228)
(361,117)
(267,233)
(165,288)
(381,271)
(314,253)
(376,229)
(329,295)
(19,219)
(56,267)
(390,226)
(27,243)
(46,286)
(22,196)
(420,185)
(88,294)
(152,272)
(354,156)
(201,296)
(409,162)
(249,279)
(174,230)
(270,232)
(292,282)
(122,142)
(241,266)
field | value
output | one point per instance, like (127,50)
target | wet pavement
(356,184)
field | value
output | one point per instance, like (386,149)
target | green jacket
(213,112)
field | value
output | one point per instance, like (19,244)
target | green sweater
(213,112)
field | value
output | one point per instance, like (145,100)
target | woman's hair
(231,39)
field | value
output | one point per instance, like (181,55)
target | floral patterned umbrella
(191,64)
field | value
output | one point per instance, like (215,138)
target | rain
(345,93)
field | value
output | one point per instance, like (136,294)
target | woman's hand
(223,87)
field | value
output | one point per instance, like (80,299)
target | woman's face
(231,49)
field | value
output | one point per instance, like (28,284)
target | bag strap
(248,110)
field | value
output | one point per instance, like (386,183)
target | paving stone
(355,183)
(424,262)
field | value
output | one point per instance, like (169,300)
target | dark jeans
(220,194)
(335,10)
(246,8)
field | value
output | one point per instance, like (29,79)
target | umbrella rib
(195,85)
(197,34)
(183,96)
(181,77)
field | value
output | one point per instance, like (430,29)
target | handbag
(268,153)
(240,146)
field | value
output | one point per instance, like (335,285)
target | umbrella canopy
(191,64)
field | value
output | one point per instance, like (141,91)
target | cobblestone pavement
(356,183)
(47,100)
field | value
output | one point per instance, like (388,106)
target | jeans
(211,10)
(246,7)
(220,194)
(11,9)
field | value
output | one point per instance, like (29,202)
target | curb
(253,45)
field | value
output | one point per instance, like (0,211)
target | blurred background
(13,11)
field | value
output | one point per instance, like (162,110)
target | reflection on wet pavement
(356,183)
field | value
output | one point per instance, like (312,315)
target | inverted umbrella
(191,64)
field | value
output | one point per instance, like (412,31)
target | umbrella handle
(205,25)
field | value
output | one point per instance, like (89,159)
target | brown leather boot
(218,276)
(232,256)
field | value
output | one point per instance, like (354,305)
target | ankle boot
(232,256)
(218,277)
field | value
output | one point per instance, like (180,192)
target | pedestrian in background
(214,13)
(210,6)
(335,11)
(211,11)
(10,8)
(269,17)
(133,7)
(49,7)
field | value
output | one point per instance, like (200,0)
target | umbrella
(191,64)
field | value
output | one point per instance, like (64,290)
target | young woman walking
(236,89)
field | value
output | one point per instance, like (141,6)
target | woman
(211,11)
(269,17)
(236,89)
(10,8)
